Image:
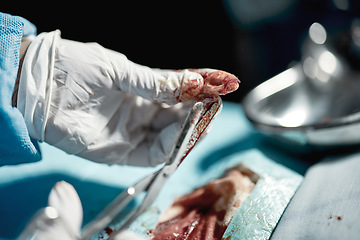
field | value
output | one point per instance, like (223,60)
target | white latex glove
(62,219)
(95,103)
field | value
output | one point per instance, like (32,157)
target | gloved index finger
(156,85)
(169,86)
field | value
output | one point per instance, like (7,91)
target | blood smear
(206,212)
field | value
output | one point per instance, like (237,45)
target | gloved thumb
(155,149)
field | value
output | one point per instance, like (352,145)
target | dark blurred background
(253,39)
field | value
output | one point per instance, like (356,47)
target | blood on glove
(212,83)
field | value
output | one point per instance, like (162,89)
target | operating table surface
(326,206)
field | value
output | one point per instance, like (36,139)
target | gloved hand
(62,219)
(95,103)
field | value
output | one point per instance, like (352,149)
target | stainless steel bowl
(316,101)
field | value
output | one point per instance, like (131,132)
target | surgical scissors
(194,125)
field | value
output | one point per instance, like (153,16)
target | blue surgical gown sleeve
(15,144)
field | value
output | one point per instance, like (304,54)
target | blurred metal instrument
(317,101)
(45,218)
(195,124)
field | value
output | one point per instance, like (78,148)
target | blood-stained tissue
(206,212)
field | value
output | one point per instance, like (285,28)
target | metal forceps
(154,182)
